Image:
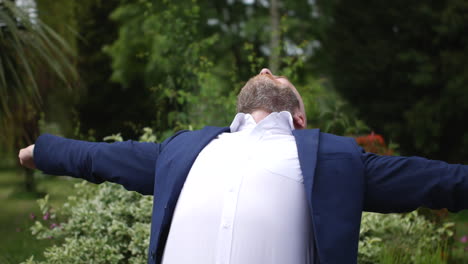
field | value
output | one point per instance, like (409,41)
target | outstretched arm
(131,164)
(401,184)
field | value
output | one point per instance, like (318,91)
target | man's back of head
(263,92)
(266,93)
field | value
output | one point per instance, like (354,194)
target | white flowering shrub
(102,224)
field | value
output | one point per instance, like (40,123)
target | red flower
(374,143)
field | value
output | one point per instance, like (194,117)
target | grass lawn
(16,206)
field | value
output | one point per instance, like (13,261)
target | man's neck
(259,115)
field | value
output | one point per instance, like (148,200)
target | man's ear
(299,120)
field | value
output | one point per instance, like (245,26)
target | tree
(28,47)
(275,35)
(174,62)
(105,107)
(403,66)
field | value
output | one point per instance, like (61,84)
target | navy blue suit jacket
(340,180)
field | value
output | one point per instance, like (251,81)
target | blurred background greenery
(91,68)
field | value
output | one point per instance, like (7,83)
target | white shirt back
(244,200)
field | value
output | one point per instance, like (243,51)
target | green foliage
(17,242)
(148,135)
(407,238)
(175,61)
(29,49)
(116,137)
(27,44)
(327,110)
(160,48)
(104,106)
(390,256)
(58,104)
(99,224)
(403,66)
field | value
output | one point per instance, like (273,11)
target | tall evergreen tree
(404,66)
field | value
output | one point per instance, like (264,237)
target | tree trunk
(29,180)
(275,48)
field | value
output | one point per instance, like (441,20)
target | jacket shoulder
(205,134)
(330,143)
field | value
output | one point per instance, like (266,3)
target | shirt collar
(275,123)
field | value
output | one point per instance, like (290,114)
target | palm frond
(28,47)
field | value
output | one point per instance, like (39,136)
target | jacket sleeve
(402,184)
(131,164)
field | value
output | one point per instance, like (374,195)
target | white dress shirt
(244,201)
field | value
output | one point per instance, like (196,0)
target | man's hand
(26,157)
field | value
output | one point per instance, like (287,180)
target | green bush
(100,224)
(401,238)
(107,224)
